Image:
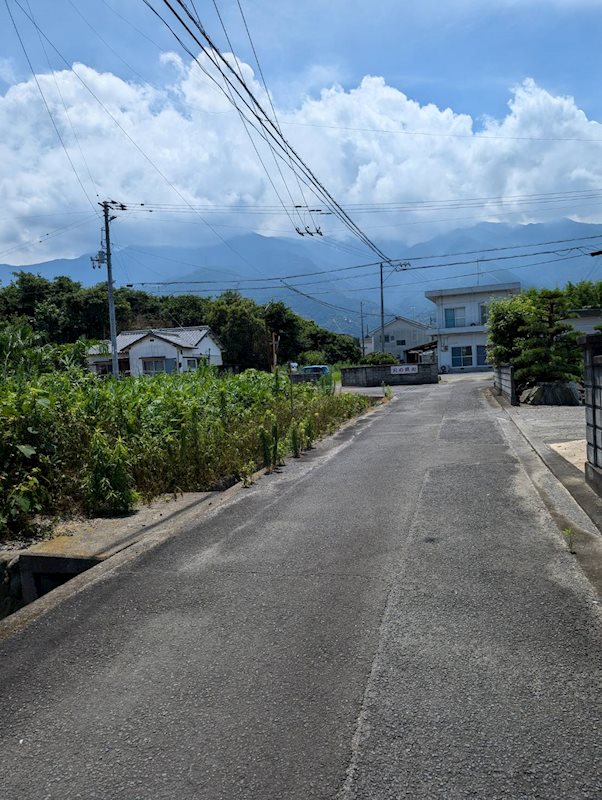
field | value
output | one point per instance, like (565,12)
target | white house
(461,318)
(147,352)
(401,334)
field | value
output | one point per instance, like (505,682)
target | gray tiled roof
(183,337)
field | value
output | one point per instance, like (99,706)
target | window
(481,355)
(455,317)
(401,342)
(151,366)
(104,368)
(462,356)
(484,313)
(387,337)
(192,364)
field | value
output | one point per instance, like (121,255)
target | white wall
(447,341)
(584,324)
(470,303)
(150,347)
(209,349)
(398,330)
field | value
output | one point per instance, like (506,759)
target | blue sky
(527,72)
(465,54)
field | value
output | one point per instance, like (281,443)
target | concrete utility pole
(382,310)
(104,257)
(362,340)
(396,268)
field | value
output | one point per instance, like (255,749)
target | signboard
(405,369)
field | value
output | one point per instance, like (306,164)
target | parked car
(315,369)
(311,372)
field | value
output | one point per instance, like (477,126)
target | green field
(72,444)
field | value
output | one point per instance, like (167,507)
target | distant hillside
(245,260)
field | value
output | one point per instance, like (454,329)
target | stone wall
(503,382)
(377,375)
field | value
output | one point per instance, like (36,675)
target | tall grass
(72,444)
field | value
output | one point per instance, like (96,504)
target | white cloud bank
(194,138)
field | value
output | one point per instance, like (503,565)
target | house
(401,334)
(147,352)
(584,320)
(461,334)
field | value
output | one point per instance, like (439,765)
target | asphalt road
(393,616)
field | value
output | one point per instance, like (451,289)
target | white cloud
(194,138)
(7,70)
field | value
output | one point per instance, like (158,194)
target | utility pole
(362,340)
(382,310)
(399,267)
(104,257)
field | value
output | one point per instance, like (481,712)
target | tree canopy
(61,311)
(527,331)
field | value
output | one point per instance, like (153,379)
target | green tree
(506,322)
(239,325)
(378,358)
(548,347)
(527,331)
(584,294)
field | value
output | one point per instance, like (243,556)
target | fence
(592,345)
(503,382)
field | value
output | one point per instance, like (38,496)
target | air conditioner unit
(444,349)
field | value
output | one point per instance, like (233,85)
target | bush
(73,444)
(312,357)
(378,358)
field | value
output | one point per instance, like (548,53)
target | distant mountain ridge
(333,300)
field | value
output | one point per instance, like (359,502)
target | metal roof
(181,337)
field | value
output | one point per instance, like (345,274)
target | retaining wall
(400,375)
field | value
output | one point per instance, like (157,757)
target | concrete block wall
(503,381)
(377,375)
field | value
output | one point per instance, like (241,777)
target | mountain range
(538,255)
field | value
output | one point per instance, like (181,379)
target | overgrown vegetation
(378,358)
(527,330)
(73,444)
(62,311)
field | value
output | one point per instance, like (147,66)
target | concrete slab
(575,452)
(81,544)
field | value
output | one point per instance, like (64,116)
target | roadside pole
(362,328)
(382,311)
(104,257)
(112,322)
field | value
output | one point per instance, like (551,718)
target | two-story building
(401,335)
(461,324)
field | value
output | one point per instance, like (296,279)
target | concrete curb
(161,532)
(564,492)
(569,476)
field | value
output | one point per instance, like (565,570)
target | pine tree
(548,349)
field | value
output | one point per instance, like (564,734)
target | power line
(49,235)
(372,264)
(249,100)
(267,91)
(474,136)
(131,140)
(46,106)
